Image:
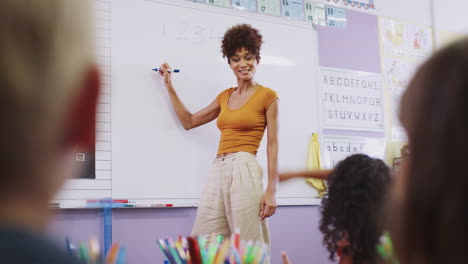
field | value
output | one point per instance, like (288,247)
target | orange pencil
(113,253)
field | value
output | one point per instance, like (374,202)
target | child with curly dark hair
(351,208)
(234,196)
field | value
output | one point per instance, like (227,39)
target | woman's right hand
(164,73)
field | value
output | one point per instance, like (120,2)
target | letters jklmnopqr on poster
(351,100)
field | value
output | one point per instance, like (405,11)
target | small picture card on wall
(396,73)
(394,36)
(419,41)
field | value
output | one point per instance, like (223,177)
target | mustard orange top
(242,129)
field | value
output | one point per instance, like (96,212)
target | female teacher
(233,197)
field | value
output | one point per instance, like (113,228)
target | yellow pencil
(94,250)
(180,250)
(221,256)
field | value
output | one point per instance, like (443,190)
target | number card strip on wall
(298,10)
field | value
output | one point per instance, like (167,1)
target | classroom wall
(293,228)
(450,22)
(414,11)
(451,15)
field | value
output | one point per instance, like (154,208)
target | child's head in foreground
(48,89)
(352,206)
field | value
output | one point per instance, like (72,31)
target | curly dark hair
(241,36)
(351,207)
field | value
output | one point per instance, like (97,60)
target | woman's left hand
(285,258)
(268,205)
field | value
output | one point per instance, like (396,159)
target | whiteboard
(153,158)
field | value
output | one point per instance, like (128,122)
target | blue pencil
(121,256)
(68,246)
(262,261)
(170,246)
(236,255)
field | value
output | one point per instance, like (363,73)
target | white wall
(450,20)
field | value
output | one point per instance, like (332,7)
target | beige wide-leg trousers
(231,199)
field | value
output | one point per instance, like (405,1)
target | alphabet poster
(336,148)
(351,100)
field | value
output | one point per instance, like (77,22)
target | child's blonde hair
(45,48)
